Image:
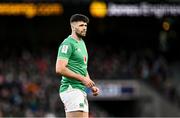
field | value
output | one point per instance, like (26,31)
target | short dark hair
(79,17)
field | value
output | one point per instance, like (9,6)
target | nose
(85,27)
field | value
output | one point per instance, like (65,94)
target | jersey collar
(74,39)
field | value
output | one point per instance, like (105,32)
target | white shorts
(74,100)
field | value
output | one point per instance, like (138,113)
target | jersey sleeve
(64,51)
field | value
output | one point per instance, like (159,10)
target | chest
(80,53)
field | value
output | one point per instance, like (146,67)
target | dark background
(112,35)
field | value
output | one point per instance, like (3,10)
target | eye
(81,25)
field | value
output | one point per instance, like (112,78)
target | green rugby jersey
(76,53)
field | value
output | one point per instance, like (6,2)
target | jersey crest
(85,59)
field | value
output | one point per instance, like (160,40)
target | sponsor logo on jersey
(79,50)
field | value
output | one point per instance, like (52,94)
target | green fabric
(76,53)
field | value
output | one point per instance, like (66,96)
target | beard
(81,34)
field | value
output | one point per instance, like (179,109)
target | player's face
(80,29)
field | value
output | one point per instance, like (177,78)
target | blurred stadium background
(133,56)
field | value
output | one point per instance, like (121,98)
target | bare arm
(61,69)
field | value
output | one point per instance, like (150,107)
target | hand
(88,82)
(95,90)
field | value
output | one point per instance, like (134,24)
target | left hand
(95,90)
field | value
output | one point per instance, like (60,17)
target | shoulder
(67,43)
(66,40)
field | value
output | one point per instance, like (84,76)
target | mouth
(83,32)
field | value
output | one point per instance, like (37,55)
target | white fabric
(74,100)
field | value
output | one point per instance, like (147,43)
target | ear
(73,26)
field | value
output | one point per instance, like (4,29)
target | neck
(74,36)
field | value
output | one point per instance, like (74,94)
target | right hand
(88,82)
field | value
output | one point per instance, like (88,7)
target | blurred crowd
(29,85)
(146,65)
(106,63)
